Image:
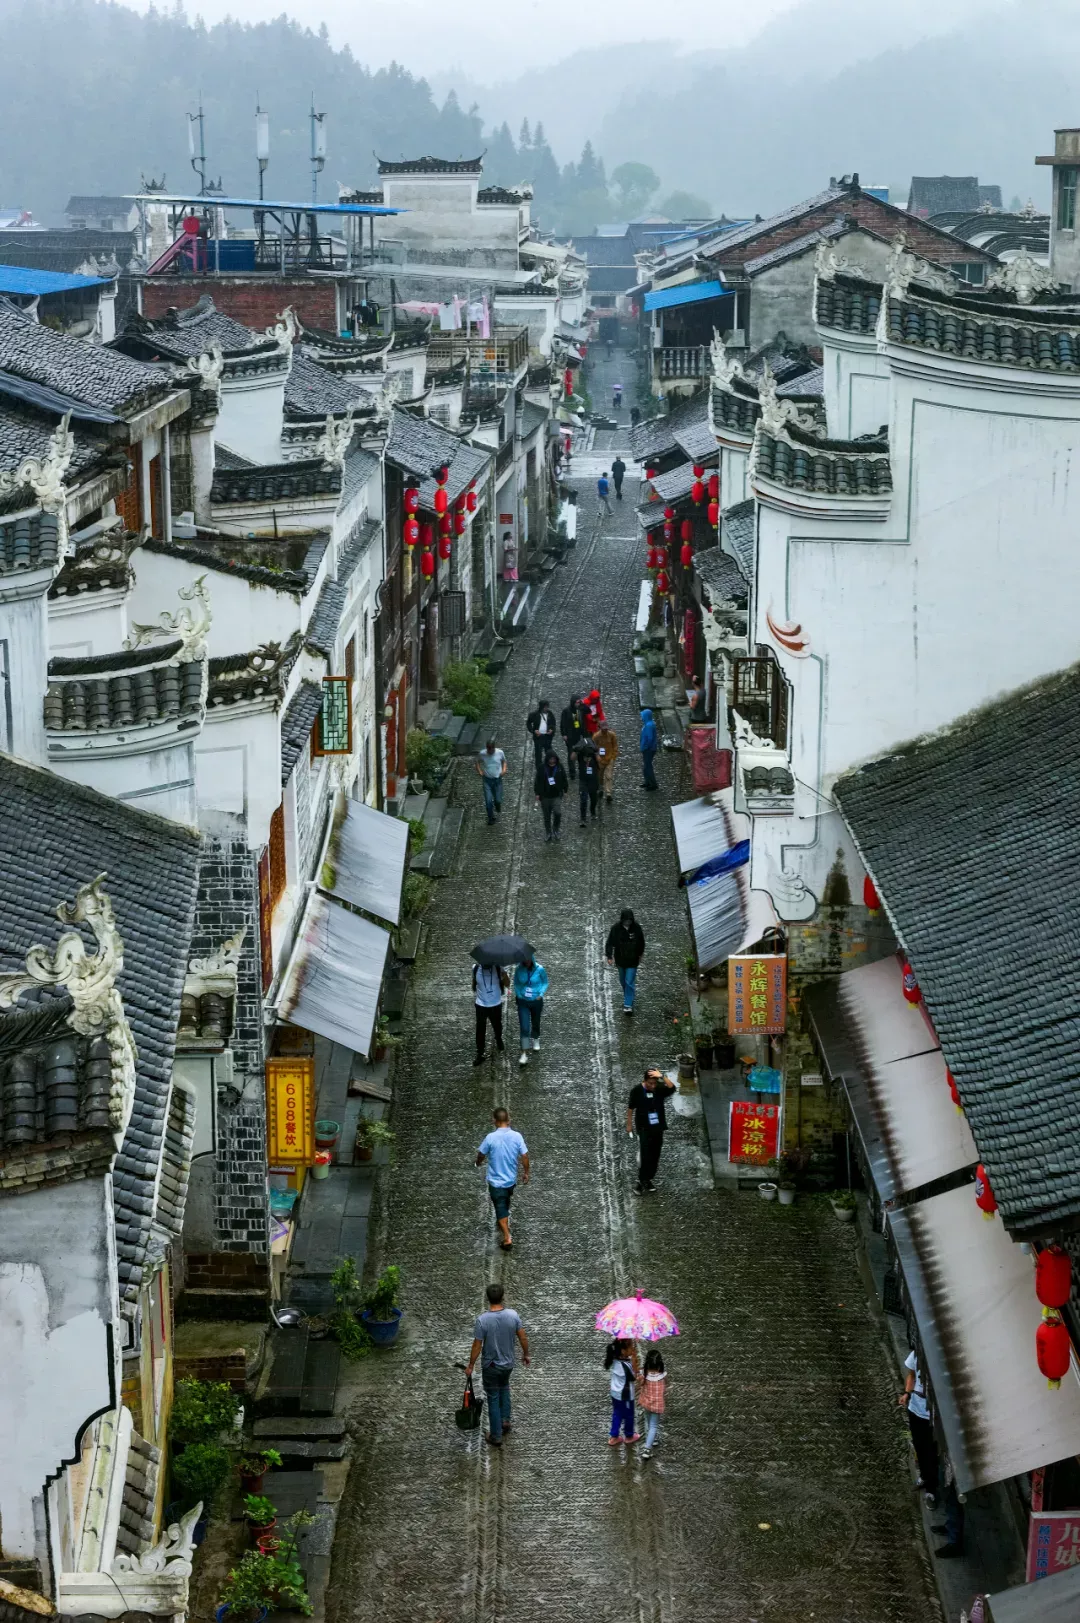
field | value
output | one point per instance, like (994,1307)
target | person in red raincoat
(593,712)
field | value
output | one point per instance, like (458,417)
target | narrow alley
(780,1490)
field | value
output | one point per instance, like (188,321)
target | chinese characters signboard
(290,1110)
(1053,1543)
(757,996)
(753,1131)
(333,728)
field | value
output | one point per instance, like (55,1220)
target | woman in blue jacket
(530,984)
(648,746)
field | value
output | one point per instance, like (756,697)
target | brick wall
(257,303)
(220,1366)
(228,898)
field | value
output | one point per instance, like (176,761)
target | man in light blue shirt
(503,1149)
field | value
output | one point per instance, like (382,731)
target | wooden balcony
(503,355)
(683,361)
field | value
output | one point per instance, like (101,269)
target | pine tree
(524,138)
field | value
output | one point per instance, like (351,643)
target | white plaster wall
(96,623)
(158,780)
(24,657)
(57,1283)
(733,479)
(249,420)
(244,614)
(858,391)
(238,773)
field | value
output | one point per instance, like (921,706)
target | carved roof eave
(218,971)
(819,504)
(732,439)
(966,372)
(114,743)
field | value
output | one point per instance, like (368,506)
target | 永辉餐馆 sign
(757,995)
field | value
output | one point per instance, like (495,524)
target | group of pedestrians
(490,985)
(499,1329)
(604,484)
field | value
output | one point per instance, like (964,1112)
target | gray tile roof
(673,486)
(360,465)
(136,1530)
(1004,334)
(323,626)
(88,372)
(939,194)
(184,333)
(288,563)
(970,840)
(431,166)
(419,446)
(230,461)
(726,241)
(734,410)
(808,386)
(52,1081)
(63,250)
(125,690)
(107,203)
(296,725)
(96,565)
(805,244)
(656,437)
(824,467)
(176,1162)
(274,482)
(739,527)
(720,574)
(313,391)
(25,432)
(694,437)
(533,416)
(848,304)
(57,836)
(29,542)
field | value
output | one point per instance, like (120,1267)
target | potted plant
(197,1474)
(767,1188)
(703,1045)
(723,1050)
(254,1466)
(843,1204)
(381,1316)
(203,1411)
(369,1135)
(259,1582)
(385,1041)
(785,1191)
(260,1513)
(351,1336)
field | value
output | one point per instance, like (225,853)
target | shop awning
(364,858)
(717,901)
(1049,1600)
(332,983)
(689,293)
(973,1294)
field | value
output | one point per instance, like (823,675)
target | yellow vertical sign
(290,1111)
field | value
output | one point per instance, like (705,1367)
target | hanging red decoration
(669,513)
(714,487)
(470,501)
(459,504)
(911,985)
(984,1195)
(669,532)
(444,524)
(412,498)
(662,582)
(953,1094)
(442,474)
(661,557)
(697,492)
(445,546)
(713,511)
(870,897)
(427,562)
(1053,1276)
(412,532)
(650,473)
(699,471)
(459,523)
(441,502)
(427,535)
(686,555)
(651,560)
(568,382)
(1053,1349)
(686,530)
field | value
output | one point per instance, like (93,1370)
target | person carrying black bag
(572,727)
(550,786)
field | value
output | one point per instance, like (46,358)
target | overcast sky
(502,38)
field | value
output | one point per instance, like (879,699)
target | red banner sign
(757,996)
(753,1131)
(711,767)
(1053,1543)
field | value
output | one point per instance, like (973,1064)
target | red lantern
(442,474)
(650,473)
(714,513)
(427,562)
(699,471)
(444,524)
(871,899)
(911,985)
(686,530)
(470,501)
(661,557)
(459,523)
(459,505)
(1053,1349)
(669,532)
(669,513)
(984,1195)
(662,582)
(427,535)
(412,498)
(1053,1276)
(412,532)
(441,502)
(568,382)
(714,487)
(686,555)
(953,1094)
(697,492)
(445,546)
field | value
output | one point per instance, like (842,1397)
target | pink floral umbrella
(637,1318)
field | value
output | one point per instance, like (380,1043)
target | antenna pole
(198,154)
(318,148)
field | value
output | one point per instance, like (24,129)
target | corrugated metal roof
(689,293)
(332,983)
(365,860)
(36,283)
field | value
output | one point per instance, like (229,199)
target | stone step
(645,694)
(446,846)
(296,1453)
(230,1302)
(284,1385)
(331,1428)
(469,740)
(422,862)
(393,998)
(434,813)
(407,939)
(321,1370)
(499,656)
(415,804)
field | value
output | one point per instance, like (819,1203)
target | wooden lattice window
(332,734)
(129,501)
(761,698)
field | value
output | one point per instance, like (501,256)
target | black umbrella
(503,949)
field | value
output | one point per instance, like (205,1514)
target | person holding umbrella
(530,988)
(645,1115)
(630,1319)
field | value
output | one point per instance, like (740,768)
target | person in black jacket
(588,764)
(550,786)
(571,726)
(625,948)
(540,724)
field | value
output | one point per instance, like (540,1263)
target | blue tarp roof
(688,293)
(216,202)
(19,279)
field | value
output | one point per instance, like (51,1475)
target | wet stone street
(780,1489)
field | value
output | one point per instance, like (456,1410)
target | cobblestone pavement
(779,1491)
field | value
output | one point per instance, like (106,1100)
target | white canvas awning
(718,904)
(1055,1599)
(902,1067)
(973,1293)
(364,858)
(644,606)
(332,983)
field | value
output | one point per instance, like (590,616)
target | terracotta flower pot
(252,1484)
(262,1530)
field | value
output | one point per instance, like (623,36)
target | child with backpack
(621,1360)
(652,1397)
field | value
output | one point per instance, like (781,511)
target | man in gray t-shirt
(494,1335)
(491,769)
